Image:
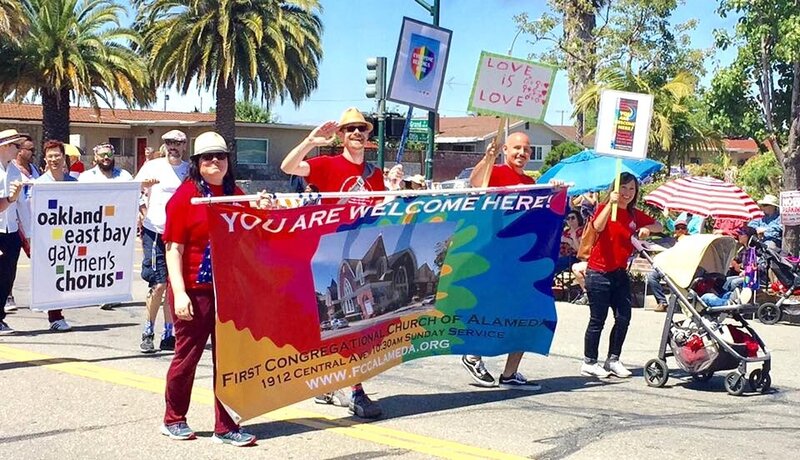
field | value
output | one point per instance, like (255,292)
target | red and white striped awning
(705,196)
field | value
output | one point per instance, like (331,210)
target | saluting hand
(323,134)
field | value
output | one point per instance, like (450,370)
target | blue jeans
(713,300)
(654,286)
(607,290)
(154,264)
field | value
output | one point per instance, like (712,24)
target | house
(377,283)
(260,146)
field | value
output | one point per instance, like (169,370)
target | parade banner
(790,207)
(623,124)
(419,65)
(317,298)
(82,243)
(510,87)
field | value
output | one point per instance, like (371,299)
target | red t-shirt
(613,246)
(77,167)
(503,175)
(337,174)
(187,224)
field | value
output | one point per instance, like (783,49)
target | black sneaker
(362,406)
(478,372)
(167,343)
(147,344)
(519,382)
(583,299)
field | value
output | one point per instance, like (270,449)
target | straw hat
(174,135)
(418,179)
(10,136)
(209,142)
(353,116)
(769,200)
(72,151)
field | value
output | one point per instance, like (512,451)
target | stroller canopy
(712,253)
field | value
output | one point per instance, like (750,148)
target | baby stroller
(786,284)
(705,339)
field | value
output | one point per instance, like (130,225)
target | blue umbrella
(592,172)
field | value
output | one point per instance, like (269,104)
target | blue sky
(358,29)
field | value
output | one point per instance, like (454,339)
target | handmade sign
(790,207)
(82,243)
(419,65)
(511,87)
(316,298)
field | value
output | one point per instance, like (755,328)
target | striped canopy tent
(705,196)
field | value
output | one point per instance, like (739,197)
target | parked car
(339,323)
(325,325)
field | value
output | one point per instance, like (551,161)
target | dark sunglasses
(353,128)
(105,154)
(681,227)
(211,155)
(172,142)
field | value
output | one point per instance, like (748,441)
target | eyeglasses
(353,128)
(572,218)
(173,142)
(105,154)
(220,156)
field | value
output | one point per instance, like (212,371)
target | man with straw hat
(346,172)
(10,242)
(74,163)
(769,228)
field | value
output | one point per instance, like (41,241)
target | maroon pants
(190,341)
(54,315)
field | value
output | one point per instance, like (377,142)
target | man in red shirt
(517,153)
(347,172)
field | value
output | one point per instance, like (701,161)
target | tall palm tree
(73,50)
(266,47)
(673,131)
(12,22)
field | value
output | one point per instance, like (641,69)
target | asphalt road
(90,394)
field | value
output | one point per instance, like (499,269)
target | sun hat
(681,222)
(174,135)
(72,151)
(769,200)
(353,116)
(209,142)
(418,179)
(10,136)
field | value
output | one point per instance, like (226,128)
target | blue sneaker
(235,438)
(178,431)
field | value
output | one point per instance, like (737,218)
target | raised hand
(323,134)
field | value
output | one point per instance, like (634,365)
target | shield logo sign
(422,62)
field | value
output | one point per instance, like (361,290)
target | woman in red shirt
(607,281)
(189,265)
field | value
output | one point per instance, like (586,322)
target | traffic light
(376,78)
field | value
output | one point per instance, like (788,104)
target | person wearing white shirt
(106,167)
(161,177)
(10,243)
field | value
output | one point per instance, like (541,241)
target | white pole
(395,193)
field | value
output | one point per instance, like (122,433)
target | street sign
(418,136)
(419,125)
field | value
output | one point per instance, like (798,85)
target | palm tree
(675,128)
(266,47)
(73,50)
(12,22)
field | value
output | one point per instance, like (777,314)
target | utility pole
(376,89)
(434,11)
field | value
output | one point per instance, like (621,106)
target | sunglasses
(171,142)
(220,156)
(353,128)
(105,154)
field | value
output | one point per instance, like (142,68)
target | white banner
(790,207)
(623,124)
(82,243)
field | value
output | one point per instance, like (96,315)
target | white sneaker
(594,370)
(60,326)
(616,368)
(11,304)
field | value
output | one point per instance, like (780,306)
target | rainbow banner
(317,298)
(82,243)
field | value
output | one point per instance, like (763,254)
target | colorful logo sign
(422,62)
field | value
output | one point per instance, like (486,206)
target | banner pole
(496,143)
(616,189)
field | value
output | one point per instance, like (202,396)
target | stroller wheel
(769,313)
(656,373)
(766,383)
(734,383)
(702,377)
(756,379)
